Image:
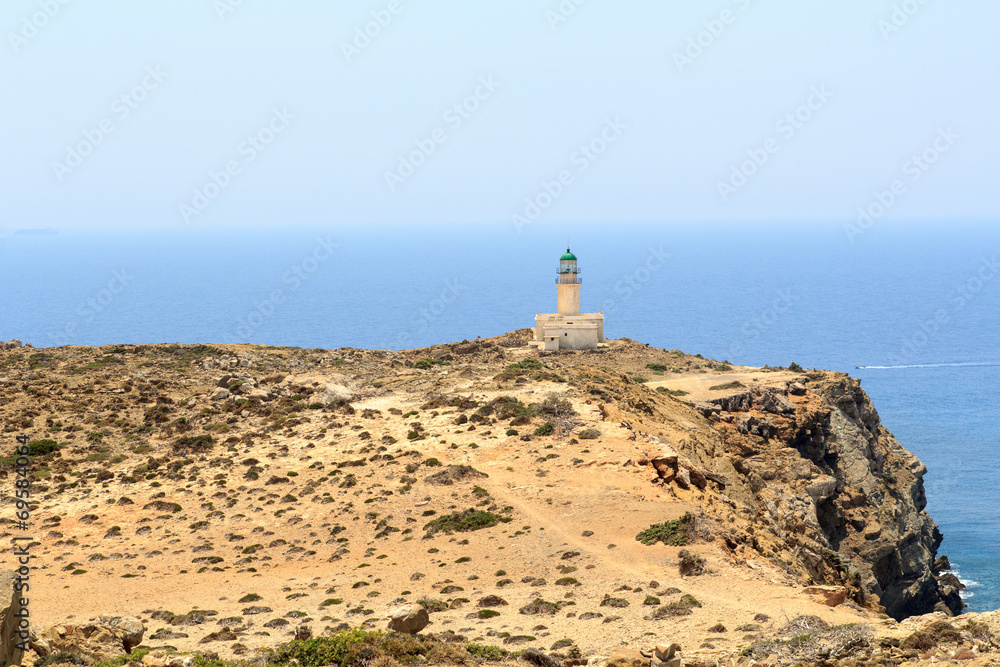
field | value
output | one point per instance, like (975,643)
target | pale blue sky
(672,131)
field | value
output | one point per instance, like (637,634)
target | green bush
(487,652)
(545,429)
(342,649)
(589,434)
(675,533)
(193,443)
(42,447)
(460,522)
(656,367)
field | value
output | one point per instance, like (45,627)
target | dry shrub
(690,564)
(810,640)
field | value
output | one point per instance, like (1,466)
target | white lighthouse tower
(568,328)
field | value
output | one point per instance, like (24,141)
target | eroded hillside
(228,495)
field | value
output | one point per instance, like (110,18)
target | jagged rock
(796,389)
(626,657)
(775,404)
(664,652)
(706,409)
(941,564)
(219,394)
(831,596)
(822,489)
(107,638)
(10,615)
(409,619)
(129,628)
(751,425)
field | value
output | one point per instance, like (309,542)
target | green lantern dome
(568,256)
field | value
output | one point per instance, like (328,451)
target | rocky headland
(465,503)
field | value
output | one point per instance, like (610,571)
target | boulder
(831,596)
(219,394)
(10,600)
(128,628)
(663,652)
(539,659)
(796,389)
(409,619)
(626,657)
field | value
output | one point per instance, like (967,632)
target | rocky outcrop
(839,493)
(105,638)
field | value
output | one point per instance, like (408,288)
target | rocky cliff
(824,488)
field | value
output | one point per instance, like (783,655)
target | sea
(912,309)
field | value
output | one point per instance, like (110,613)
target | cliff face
(843,501)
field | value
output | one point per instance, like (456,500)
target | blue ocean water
(916,307)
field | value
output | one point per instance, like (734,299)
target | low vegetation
(674,533)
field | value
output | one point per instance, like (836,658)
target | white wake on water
(941,365)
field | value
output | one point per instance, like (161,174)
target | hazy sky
(231,113)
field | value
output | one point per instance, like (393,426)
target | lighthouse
(568,285)
(568,328)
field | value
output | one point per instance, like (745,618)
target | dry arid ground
(226,495)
